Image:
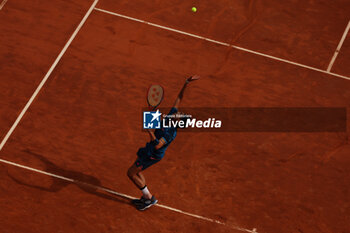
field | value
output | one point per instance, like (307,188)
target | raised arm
(181,94)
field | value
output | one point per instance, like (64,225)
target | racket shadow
(86,183)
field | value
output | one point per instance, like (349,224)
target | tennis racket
(155,96)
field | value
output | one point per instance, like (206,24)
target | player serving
(153,152)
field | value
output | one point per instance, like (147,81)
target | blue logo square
(151,120)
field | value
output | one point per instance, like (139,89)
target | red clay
(32,35)
(302,31)
(85,124)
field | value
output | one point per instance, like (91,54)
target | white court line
(3,4)
(223,43)
(36,92)
(124,195)
(338,48)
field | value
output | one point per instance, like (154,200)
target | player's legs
(142,178)
(135,175)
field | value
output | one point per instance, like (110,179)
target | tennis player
(152,153)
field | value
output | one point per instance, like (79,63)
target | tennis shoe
(143,203)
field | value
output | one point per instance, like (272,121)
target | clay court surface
(84,123)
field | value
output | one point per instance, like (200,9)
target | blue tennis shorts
(144,160)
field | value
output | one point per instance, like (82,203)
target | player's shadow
(87,183)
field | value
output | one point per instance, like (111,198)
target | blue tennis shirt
(168,134)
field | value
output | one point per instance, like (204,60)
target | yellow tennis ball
(194,9)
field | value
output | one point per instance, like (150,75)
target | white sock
(145,191)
